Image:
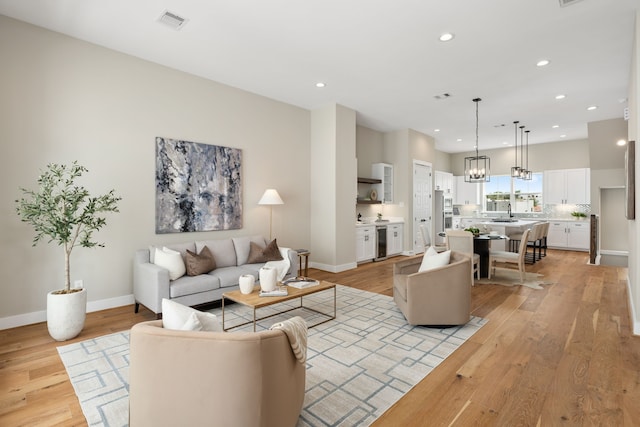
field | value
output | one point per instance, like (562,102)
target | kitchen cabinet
(444,182)
(466,193)
(383,172)
(567,186)
(365,243)
(395,239)
(569,235)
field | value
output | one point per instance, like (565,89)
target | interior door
(422,202)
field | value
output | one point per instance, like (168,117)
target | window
(497,193)
(524,196)
(528,194)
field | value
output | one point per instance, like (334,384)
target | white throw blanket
(281,266)
(296,330)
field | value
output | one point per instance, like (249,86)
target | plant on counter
(579,215)
(473,230)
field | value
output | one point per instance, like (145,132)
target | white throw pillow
(432,259)
(172,261)
(180,317)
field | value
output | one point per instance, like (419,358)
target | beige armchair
(186,378)
(441,296)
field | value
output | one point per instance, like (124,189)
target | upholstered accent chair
(189,378)
(440,296)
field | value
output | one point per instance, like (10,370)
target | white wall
(64,99)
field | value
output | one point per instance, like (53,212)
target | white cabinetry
(365,243)
(567,186)
(569,235)
(394,239)
(384,172)
(466,193)
(444,182)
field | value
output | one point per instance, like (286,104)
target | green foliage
(579,214)
(63,211)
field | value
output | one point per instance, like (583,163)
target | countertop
(385,221)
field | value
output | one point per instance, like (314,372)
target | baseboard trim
(41,316)
(333,268)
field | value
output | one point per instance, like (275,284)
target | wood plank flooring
(561,356)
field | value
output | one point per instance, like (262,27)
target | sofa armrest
(150,282)
(293,261)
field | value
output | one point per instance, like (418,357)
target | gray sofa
(151,283)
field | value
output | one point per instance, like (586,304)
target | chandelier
(477,168)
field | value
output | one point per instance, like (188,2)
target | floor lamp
(270,198)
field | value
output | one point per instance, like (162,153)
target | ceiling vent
(443,96)
(172,20)
(564,3)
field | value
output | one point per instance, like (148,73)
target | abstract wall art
(198,187)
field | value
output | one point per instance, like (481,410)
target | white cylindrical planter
(268,279)
(66,314)
(246,282)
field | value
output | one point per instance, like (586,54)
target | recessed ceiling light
(505,143)
(555,126)
(592,107)
(436,130)
(563,136)
(446,37)
(621,142)
(561,96)
(542,62)
(459,140)
(320,84)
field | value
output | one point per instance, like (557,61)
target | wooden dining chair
(510,257)
(462,241)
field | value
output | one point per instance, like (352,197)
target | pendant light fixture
(477,168)
(522,169)
(515,170)
(528,175)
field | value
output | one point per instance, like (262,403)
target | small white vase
(268,279)
(246,282)
(66,314)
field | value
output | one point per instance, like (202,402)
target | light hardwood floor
(562,356)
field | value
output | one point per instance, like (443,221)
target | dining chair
(535,241)
(462,241)
(426,239)
(510,257)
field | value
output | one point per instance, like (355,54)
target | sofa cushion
(228,276)
(242,246)
(432,259)
(223,251)
(188,285)
(179,317)
(201,263)
(263,254)
(171,260)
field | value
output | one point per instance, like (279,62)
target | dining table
(482,246)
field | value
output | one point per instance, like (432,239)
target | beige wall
(64,99)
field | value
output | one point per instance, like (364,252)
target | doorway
(613,233)
(422,201)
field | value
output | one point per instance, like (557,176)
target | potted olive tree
(64,212)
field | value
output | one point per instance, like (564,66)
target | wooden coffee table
(255,301)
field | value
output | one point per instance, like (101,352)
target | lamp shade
(271,197)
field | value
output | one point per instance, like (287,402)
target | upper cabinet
(466,193)
(383,172)
(444,181)
(567,186)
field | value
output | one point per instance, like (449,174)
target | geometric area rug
(358,365)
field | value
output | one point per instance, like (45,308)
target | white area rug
(509,277)
(358,365)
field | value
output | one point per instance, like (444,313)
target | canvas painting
(198,187)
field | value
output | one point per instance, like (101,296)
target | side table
(303,253)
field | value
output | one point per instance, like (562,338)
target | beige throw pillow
(201,263)
(258,254)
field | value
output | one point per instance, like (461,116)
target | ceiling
(384,59)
